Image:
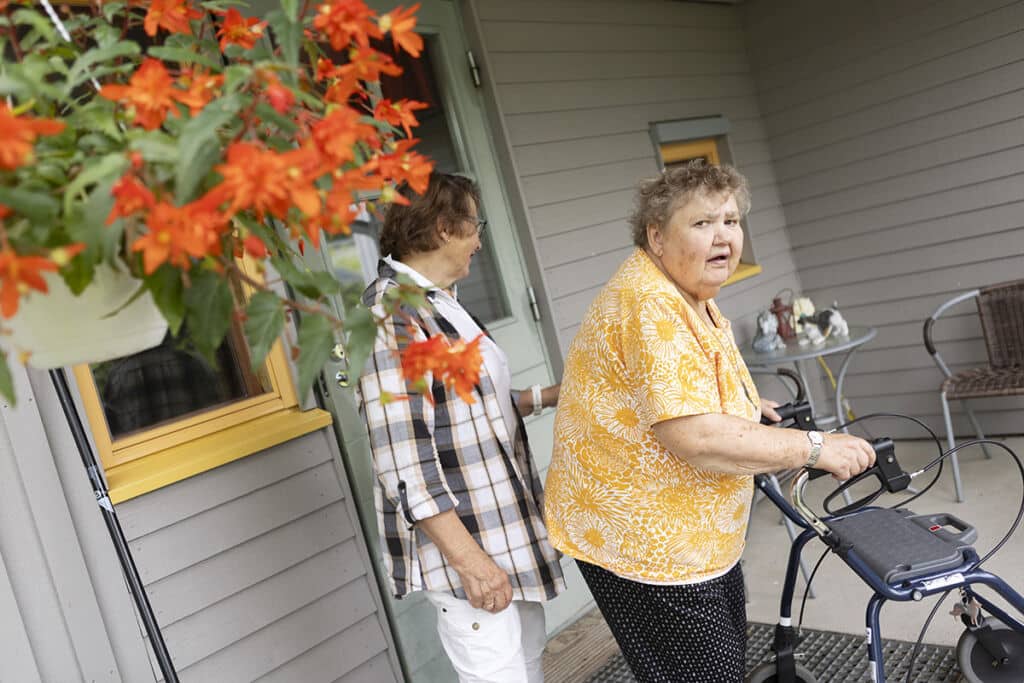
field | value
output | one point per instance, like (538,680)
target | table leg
(799,366)
(840,378)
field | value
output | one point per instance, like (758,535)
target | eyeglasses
(480,223)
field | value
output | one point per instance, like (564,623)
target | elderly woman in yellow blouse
(657,438)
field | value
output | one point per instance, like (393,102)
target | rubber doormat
(831,657)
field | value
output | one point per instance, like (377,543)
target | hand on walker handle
(845,455)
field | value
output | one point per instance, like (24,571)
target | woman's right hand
(486,584)
(845,455)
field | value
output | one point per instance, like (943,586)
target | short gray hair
(657,198)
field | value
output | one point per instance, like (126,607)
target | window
(680,142)
(354,257)
(165,414)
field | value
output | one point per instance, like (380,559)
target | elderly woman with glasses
(458,496)
(657,437)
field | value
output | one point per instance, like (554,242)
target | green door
(453,133)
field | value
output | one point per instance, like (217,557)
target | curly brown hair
(413,229)
(657,198)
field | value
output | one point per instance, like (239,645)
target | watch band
(817,440)
(538,400)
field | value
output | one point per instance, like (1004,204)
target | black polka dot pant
(695,633)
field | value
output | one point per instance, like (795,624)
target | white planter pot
(61,329)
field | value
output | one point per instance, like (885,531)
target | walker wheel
(977,665)
(766,674)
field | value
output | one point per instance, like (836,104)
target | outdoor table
(793,354)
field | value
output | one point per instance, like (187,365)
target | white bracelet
(538,401)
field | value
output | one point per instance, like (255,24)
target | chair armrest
(929,323)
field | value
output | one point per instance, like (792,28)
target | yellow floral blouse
(615,497)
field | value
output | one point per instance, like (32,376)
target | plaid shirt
(450,455)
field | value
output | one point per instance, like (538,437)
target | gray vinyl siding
(256,570)
(64,612)
(578,85)
(895,131)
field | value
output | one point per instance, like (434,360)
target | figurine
(802,308)
(767,338)
(831,322)
(811,335)
(783,315)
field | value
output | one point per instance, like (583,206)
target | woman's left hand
(768,407)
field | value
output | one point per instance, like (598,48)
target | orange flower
(456,364)
(270,182)
(367,64)
(462,370)
(170,15)
(255,247)
(200,89)
(5,211)
(422,357)
(345,21)
(337,134)
(18,275)
(19,134)
(405,166)
(177,234)
(130,197)
(281,97)
(239,30)
(401,23)
(399,113)
(150,94)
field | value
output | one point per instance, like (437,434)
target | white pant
(492,648)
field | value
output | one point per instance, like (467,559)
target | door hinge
(534,308)
(474,70)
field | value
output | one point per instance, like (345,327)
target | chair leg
(977,428)
(951,439)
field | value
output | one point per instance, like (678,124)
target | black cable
(920,638)
(906,501)
(807,589)
(1020,509)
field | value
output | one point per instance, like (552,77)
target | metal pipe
(124,555)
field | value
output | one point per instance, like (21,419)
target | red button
(934,527)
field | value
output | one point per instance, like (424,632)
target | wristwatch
(816,440)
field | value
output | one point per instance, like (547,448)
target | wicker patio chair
(1001,312)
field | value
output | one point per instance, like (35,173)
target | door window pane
(354,257)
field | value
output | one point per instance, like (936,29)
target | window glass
(354,257)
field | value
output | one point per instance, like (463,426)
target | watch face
(816,438)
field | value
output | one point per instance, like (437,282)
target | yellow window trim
(743,271)
(185,460)
(146,460)
(149,441)
(673,152)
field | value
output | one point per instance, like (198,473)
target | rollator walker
(902,556)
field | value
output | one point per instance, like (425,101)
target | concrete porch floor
(993,494)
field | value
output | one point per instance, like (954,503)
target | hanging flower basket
(104,322)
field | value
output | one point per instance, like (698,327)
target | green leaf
(156,148)
(361,331)
(86,223)
(168,294)
(107,168)
(6,381)
(316,339)
(312,284)
(263,325)
(183,56)
(81,70)
(287,34)
(270,115)
(38,207)
(200,146)
(291,9)
(37,21)
(209,307)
